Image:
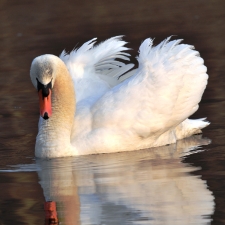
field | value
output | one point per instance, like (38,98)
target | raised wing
(95,69)
(166,89)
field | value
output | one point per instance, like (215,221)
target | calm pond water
(142,187)
(175,184)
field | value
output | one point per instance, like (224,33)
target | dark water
(155,186)
(141,187)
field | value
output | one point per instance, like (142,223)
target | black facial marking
(44,88)
(45,116)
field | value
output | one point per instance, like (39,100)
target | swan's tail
(189,127)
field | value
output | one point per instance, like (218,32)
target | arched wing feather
(97,68)
(164,91)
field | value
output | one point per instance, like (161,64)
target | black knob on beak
(45,116)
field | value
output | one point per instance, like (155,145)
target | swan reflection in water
(141,187)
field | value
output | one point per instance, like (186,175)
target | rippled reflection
(141,187)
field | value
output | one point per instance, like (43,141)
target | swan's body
(147,107)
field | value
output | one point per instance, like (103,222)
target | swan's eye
(44,88)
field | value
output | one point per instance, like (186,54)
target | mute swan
(87,107)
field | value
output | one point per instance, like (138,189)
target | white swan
(146,107)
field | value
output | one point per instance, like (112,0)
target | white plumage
(147,107)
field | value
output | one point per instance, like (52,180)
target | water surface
(141,187)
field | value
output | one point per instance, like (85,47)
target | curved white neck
(53,139)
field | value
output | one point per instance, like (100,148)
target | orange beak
(45,104)
(50,213)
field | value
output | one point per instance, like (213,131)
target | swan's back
(165,91)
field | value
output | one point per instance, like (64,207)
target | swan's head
(43,73)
